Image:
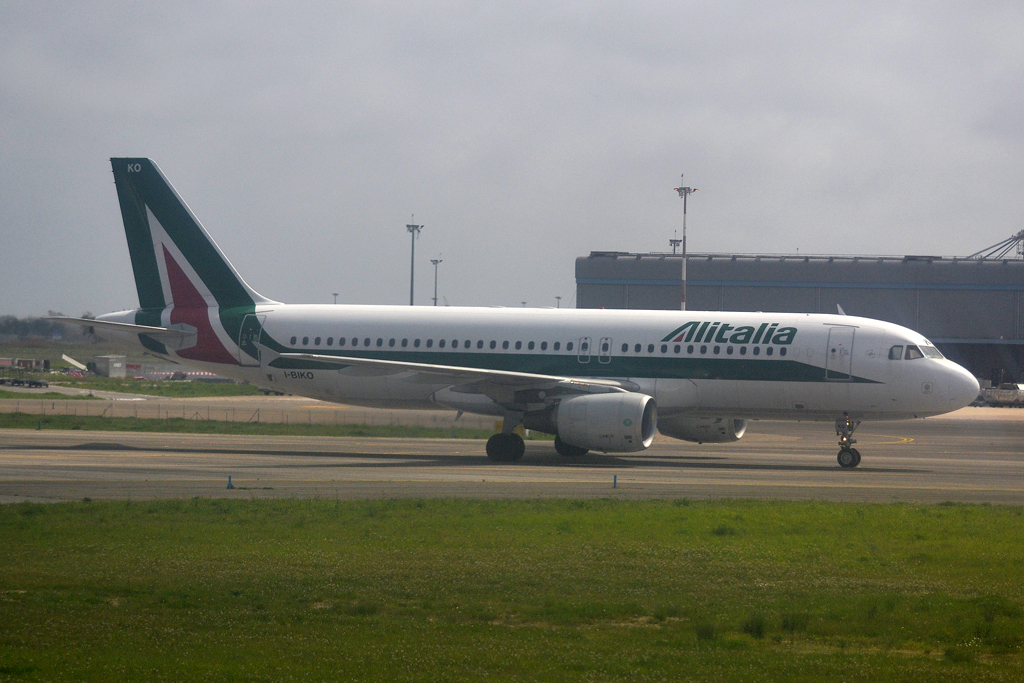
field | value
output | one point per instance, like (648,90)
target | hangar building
(971,308)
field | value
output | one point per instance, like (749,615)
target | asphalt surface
(974,455)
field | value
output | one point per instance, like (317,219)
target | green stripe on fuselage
(569,366)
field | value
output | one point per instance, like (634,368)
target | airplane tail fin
(176,262)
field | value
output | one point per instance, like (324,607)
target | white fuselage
(827,366)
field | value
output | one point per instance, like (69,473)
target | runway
(975,455)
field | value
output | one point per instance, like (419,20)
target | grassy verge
(510,590)
(163,388)
(42,396)
(187,426)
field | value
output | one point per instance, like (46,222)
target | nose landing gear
(848,455)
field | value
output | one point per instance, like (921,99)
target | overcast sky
(304,136)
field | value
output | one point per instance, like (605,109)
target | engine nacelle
(619,422)
(704,429)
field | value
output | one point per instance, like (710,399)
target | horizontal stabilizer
(167,334)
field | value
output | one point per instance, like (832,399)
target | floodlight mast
(414,231)
(435,261)
(684,192)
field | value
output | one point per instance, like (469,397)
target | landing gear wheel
(848,457)
(568,450)
(505,447)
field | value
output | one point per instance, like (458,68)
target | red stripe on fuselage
(190,308)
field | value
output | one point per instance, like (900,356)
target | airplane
(599,380)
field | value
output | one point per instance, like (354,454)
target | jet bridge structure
(971,307)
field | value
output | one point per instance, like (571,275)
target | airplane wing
(498,384)
(164,334)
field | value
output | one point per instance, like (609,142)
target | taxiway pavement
(974,455)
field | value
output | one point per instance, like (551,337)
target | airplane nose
(962,387)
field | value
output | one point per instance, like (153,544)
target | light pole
(414,231)
(558,302)
(684,192)
(335,298)
(435,261)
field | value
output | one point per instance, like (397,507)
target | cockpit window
(931,352)
(912,353)
(896,352)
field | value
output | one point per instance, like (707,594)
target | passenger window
(703,349)
(480,344)
(530,346)
(568,346)
(305,341)
(380,342)
(584,346)
(330,341)
(430,343)
(676,348)
(493,343)
(294,339)
(728,350)
(316,341)
(391,342)
(440,343)
(557,346)
(664,348)
(468,344)
(650,348)
(782,351)
(896,352)
(769,351)
(405,343)
(913,352)
(625,347)
(718,350)
(504,345)
(689,349)
(604,347)
(519,345)
(636,349)
(455,343)
(416,343)
(757,350)
(543,346)
(743,350)
(341,341)
(366,342)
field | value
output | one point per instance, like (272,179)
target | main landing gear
(505,447)
(848,455)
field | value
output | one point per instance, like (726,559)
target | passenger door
(248,340)
(839,354)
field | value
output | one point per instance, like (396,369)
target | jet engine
(704,429)
(619,422)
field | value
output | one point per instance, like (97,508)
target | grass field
(44,396)
(198,426)
(163,388)
(443,590)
